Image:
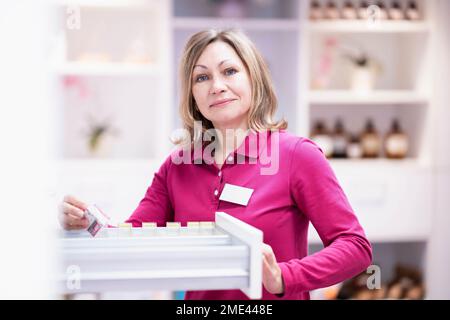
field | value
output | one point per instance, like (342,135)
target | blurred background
(89,100)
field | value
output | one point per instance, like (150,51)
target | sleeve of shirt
(318,195)
(156,205)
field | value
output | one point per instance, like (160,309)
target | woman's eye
(230,71)
(200,78)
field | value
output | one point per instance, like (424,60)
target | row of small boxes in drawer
(151,229)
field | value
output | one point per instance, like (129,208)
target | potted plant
(101,136)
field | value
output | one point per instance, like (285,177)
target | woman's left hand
(272,278)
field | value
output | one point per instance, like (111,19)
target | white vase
(105,147)
(362,79)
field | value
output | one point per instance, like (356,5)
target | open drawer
(224,255)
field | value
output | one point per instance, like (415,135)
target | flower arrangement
(365,69)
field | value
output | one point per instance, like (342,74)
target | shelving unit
(144,98)
(393,199)
(117,47)
(403,88)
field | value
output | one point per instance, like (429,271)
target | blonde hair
(264,101)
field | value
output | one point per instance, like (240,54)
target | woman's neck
(229,139)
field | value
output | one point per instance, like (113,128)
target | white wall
(438,271)
(26,148)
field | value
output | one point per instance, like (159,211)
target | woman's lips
(223,103)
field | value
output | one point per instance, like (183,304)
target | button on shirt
(293,185)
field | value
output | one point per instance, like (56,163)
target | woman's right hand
(71,215)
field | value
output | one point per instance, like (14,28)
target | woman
(228,98)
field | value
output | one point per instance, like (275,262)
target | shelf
(106,69)
(377,97)
(376,237)
(248,24)
(378,164)
(358,26)
(104,169)
(74,161)
(107,3)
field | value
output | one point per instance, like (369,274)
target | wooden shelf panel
(106,69)
(359,26)
(249,24)
(386,97)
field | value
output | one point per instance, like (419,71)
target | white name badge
(236,194)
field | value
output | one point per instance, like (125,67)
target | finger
(76,221)
(69,222)
(271,259)
(76,218)
(267,268)
(264,269)
(266,256)
(265,263)
(74,211)
(75,202)
(267,273)
(270,256)
(266,247)
(75,226)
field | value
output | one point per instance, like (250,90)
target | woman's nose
(218,86)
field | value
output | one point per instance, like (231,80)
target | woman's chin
(223,115)
(231,122)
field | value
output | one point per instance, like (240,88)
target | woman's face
(220,76)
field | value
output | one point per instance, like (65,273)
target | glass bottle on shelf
(370,141)
(395,11)
(331,11)
(354,150)
(316,11)
(322,138)
(138,52)
(412,13)
(236,9)
(382,13)
(362,10)
(349,11)
(340,140)
(396,143)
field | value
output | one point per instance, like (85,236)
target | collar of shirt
(252,147)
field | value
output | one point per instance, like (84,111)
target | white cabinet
(393,201)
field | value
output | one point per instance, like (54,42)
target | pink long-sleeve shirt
(293,185)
